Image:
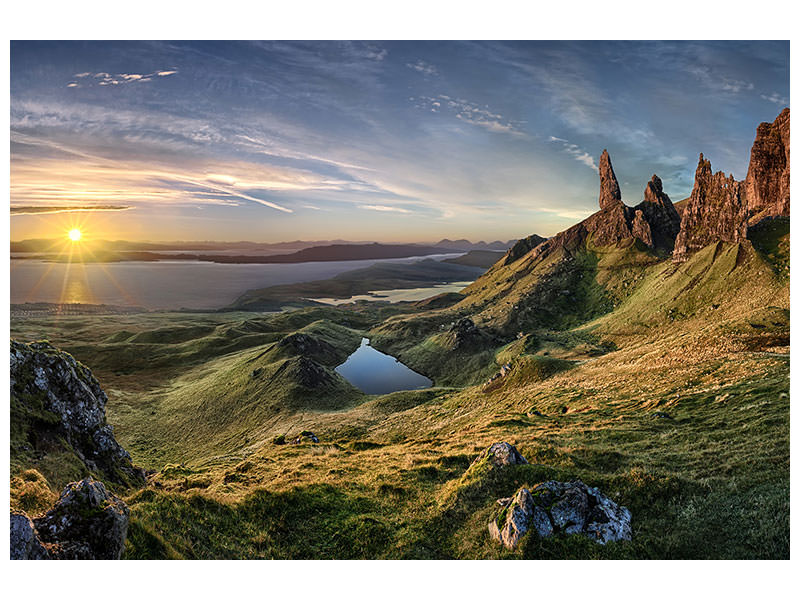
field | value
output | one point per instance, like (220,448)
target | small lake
(374,372)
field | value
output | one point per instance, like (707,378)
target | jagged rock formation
(654,221)
(660,216)
(501,454)
(54,396)
(610,194)
(716,211)
(721,208)
(766,186)
(560,507)
(87,522)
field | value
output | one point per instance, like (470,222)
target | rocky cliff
(766,186)
(716,211)
(721,208)
(57,405)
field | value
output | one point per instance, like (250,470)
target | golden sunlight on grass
(74,235)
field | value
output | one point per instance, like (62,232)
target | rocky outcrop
(658,212)
(610,194)
(501,454)
(55,397)
(521,248)
(464,334)
(654,221)
(555,507)
(766,186)
(716,211)
(86,523)
(25,542)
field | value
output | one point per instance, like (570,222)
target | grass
(666,386)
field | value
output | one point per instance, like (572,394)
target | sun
(74,235)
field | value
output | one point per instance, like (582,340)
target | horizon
(385,141)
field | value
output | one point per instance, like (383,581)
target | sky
(385,141)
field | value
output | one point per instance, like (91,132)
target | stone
(716,211)
(87,522)
(25,543)
(501,454)
(568,508)
(610,194)
(60,398)
(766,186)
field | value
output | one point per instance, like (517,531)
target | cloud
(575,152)
(566,213)
(421,66)
(106,79)
(775,98)
(41,210)
(470,112)
(382,208)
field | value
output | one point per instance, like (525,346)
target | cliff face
(716,211)
(721,208)
(766,186)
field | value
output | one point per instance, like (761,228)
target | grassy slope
(676,409)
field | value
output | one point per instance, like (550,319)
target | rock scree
(554,507)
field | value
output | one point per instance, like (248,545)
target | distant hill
(477,258)
(467,245)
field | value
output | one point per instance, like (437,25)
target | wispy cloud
(470,112)
(775,98)
(383,208)
(102,78)
(575,152)
(422,67)
(41,210)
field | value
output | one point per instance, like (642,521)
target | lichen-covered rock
(53,396)
(87,522)
(766,186)
(716,211)
(501,454)
(640,228)
(25,543)
(561,507)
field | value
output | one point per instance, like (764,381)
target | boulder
(568,508)
(501,454)
(87,522)
(25,543)
(54,396)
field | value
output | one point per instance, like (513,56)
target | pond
(374,372)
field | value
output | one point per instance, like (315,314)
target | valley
(633,352)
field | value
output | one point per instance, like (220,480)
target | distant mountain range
(51,244)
